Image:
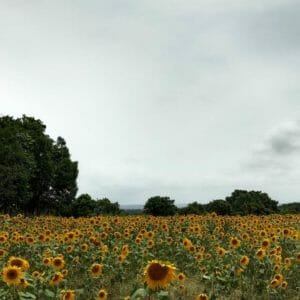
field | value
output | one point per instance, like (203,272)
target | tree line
(38,176)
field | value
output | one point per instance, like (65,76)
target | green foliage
(254,202)
(105,206)
(37,174)
(194,208)
(290,208)
(86,206)
(219,206)
(83,206)
(160,206)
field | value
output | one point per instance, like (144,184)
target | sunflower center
(157,271)
(12,274)
(96,269)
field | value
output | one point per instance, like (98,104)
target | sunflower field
(144,257)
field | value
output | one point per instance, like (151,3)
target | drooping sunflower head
(56,279)
(23,283)
(67,295)
(158,274)
(260,253)
(12,275)
(275,283)
(2,253)
(279,277)
(244,261)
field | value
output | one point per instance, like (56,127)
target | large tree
(160,206)
(251,202)
(37,174)
(219,206)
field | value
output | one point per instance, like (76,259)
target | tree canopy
(160,206)
(37,174)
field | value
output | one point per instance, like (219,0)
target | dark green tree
(160,206)
(219,206)
(37,174)
(83,206)
(106,207)
(289,208)
(244,202)
(192,208)
(16,164)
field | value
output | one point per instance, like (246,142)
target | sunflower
(187,243)
(244,261)
(2,253)
(150,243)
(67,295)
(181,277)
(279,277)
(70,249)
(284,284)
(23,283)
(121,258)
(221,251)
(275,283)
(58,263)
(84,247)
(199,256)
(12,275)
(96,270)
(287,263)
(3,239)
(36,274)
(47,261)
(234,242)
(21,263)
(102,294)
(202,297)
(158,274)
(265,243)
(56,279)
(260,253)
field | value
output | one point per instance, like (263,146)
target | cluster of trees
(240,202)
(38,176)
(85,206)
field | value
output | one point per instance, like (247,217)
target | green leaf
(139,293)
(163,295)
(49,293)
(26,295)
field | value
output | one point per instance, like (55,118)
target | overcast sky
(190,99)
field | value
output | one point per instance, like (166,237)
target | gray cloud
(284,140)
(279,152)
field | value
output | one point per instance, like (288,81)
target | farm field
(145,257)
